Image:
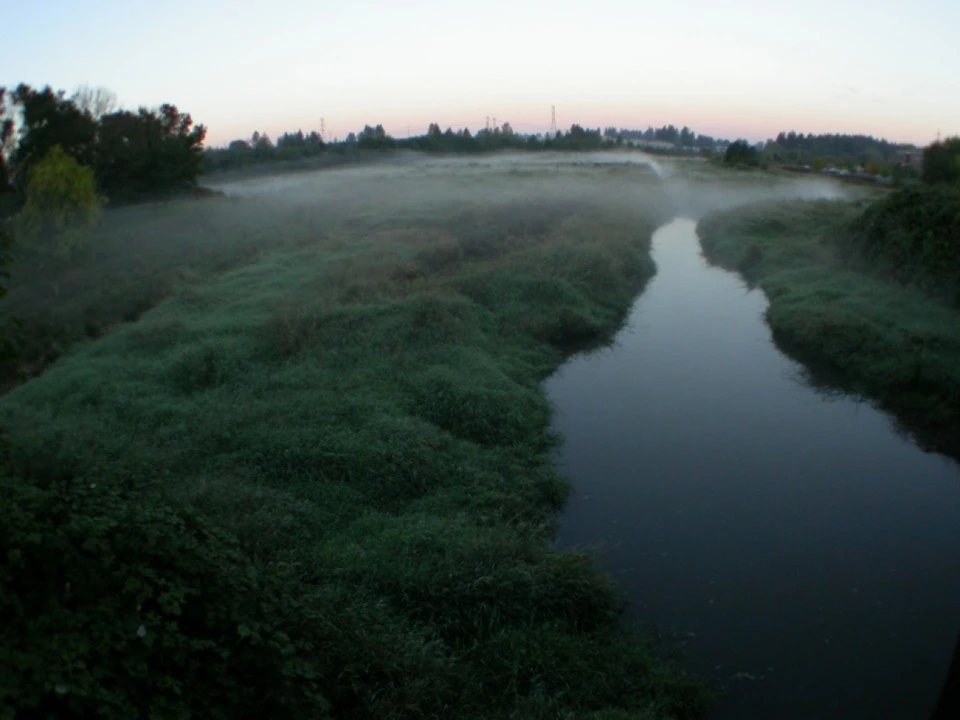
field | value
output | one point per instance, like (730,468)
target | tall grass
(327,476)
(889,342)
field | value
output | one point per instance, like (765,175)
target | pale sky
(733,68)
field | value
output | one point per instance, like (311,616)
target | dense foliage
(133,155)
(835,148)
(742,154)
(116,607)
(941,163)
(913,237)
(321,484)
(61,204)
(148,152)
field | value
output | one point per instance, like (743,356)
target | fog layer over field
(690,188)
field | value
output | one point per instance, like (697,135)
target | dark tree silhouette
(48,118)
(741,153)
(941,162)
(148,152)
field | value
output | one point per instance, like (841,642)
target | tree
(375,138)
(148,152)
(741,153)
(48,118)
(96,102)
(941,162)
(263,147)
(7,347)
(61,203)
(7,144)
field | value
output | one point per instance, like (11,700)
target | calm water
(808,555)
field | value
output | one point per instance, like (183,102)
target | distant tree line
(681,137)
(836,149)
(295,145)
(131,154)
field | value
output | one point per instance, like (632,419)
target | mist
(626,181)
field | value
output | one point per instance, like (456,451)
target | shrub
(61,203)
(118,607)
(912,236)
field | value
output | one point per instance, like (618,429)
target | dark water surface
(807,553)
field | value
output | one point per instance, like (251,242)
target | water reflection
(806,552)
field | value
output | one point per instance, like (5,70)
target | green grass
(138,257)
(320,484)
(889,342)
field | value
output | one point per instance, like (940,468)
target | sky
(736,68)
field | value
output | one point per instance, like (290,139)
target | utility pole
(553,119)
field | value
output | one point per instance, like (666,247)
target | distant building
(911,158)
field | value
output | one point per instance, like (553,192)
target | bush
(912,236)
(118,607)
(61,203)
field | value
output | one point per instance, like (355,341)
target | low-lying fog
(685,187)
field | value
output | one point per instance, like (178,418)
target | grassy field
(892,343)
(317,479)
(142,255)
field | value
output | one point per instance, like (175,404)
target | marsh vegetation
(286,447)
(318,473)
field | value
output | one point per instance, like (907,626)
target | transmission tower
(553,119)
(488,123)
(323,129)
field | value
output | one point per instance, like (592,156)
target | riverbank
(320,483)
(893,344)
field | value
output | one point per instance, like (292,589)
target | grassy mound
(321,485)
(891,343)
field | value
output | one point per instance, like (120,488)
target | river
(805,553)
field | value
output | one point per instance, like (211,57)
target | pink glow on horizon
(754,127)
(741,68)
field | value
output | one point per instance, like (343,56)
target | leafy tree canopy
(49,118)
(148,152)
(132,153)
(61,202)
